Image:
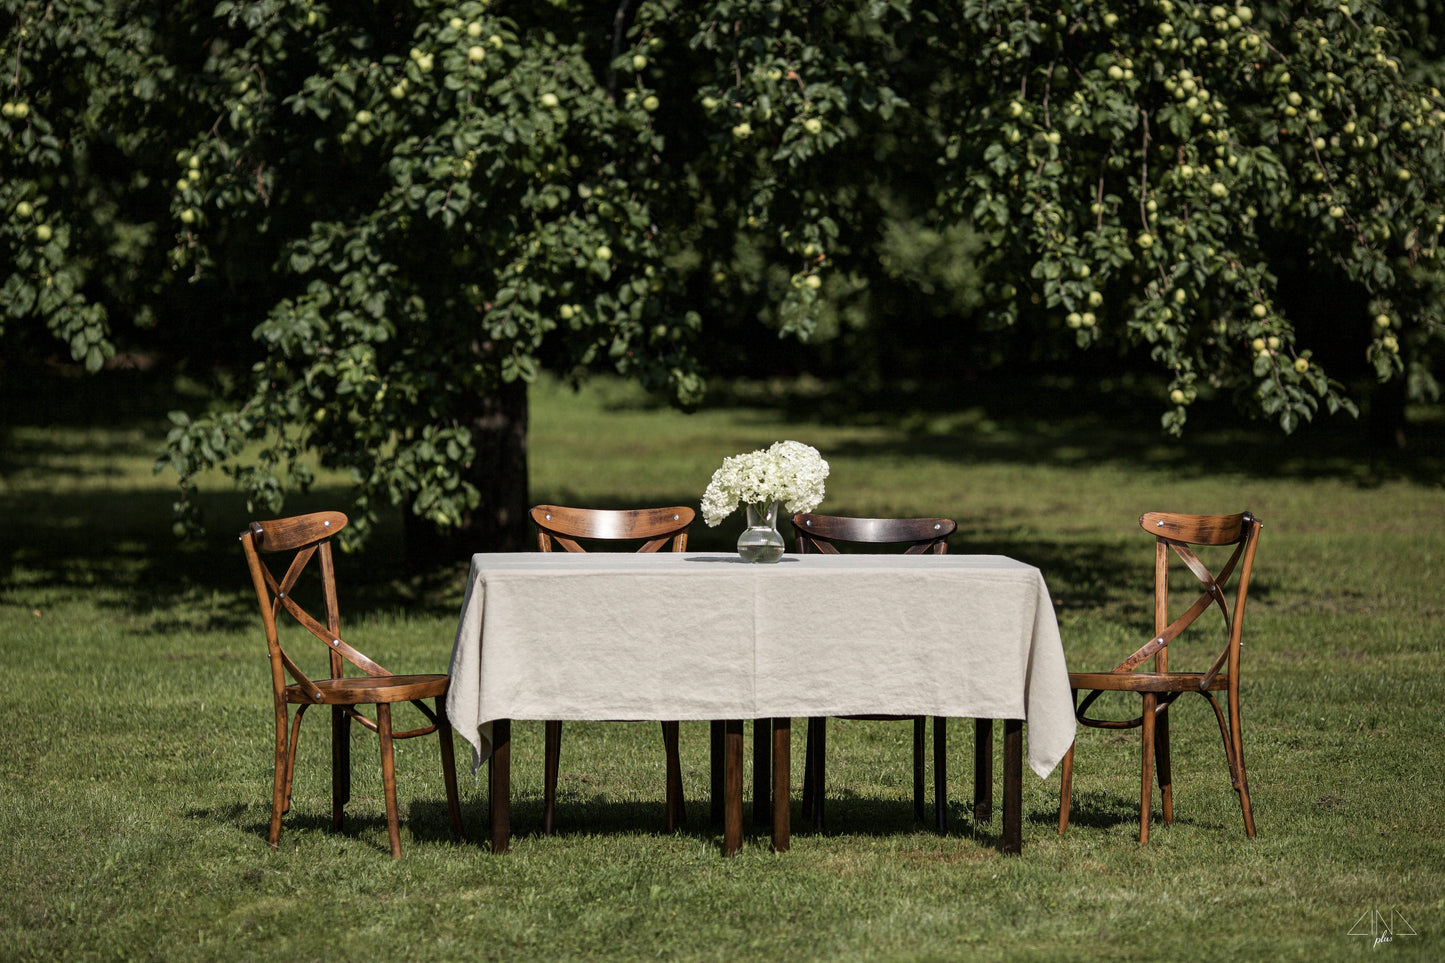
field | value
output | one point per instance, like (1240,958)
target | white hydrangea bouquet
(789,472)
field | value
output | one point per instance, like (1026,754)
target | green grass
(136,747)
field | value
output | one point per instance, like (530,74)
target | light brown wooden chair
(1177,537)
(308,537)
(643,530)
(918,536)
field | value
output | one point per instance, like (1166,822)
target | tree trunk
(499,472)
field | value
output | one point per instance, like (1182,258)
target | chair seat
(1146,681)
(370,690)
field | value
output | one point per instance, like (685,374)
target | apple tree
(1153,180)
(1139,169)
(452,197)
(396,213)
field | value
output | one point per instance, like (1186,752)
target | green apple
(476,53)
(650,103)
(603,253)
(43,233)
(23,209)
(813,125)
(550,100)
(813,282)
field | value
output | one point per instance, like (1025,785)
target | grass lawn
(137,717)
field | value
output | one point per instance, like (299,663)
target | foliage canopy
(395,210)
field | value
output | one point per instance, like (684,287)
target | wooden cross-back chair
(308,538)
(645,530)
(1175,538)
(917,536)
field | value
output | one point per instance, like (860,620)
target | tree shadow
(1070,420)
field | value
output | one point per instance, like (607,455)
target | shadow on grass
(116,546)
(1070,420)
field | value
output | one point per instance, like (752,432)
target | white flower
(789,472)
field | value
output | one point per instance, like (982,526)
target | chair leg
(449,769)
(982,770)
(809,757)
(676,807)
(940,773)
(1066,788)
(1161,766)
(1234,757)
(716,764)
(281,783)
(1243,787)
(918,756)
(388,777)
(551,751)
(340,763)
(762,772)
(291,756)
(818,753)
(1146,788)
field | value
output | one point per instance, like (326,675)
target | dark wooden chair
(305,538)
(1177,537)
(645,530)
(918,536)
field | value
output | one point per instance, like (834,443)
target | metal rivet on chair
(676,517)
(335,641)
(1159,524)
(549,516)
(327,523)
(936,526)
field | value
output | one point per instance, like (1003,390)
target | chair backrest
(1177,537)
(305,537)
(652,527)
(823,533)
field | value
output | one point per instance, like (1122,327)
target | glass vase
(761,541)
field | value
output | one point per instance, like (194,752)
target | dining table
(709,636)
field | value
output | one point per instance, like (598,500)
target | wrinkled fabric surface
(707,636)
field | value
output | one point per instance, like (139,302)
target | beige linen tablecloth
(707,636)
